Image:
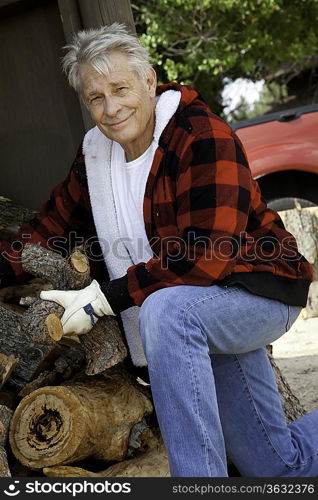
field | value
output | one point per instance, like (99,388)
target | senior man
(202,273)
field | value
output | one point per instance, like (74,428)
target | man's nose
(111,106)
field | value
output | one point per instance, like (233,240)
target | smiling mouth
(118,123)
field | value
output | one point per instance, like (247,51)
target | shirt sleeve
(66,214)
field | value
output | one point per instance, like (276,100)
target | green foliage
(200,42)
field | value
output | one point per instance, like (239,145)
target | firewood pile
(70,405)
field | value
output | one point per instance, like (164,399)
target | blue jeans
(213,386)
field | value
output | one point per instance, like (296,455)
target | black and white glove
(82,307)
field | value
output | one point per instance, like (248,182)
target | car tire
(288,203)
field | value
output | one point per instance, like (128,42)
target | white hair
(94,46)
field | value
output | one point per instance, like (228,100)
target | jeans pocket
(293,313)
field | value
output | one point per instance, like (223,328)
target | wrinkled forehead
(111,68)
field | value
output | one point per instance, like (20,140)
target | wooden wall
(42,121)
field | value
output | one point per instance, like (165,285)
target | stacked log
(90,417)
(32,335)
(12,216)
(5,416)
(78,400)
(303,224)
(68,403)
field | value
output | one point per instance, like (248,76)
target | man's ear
(151,81)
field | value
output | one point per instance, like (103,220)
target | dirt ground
(296,354)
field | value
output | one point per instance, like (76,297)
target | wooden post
(95,13)
(81,14)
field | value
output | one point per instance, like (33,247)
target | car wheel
(288,203)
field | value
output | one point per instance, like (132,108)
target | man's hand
(82,307)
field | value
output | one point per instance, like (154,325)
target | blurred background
(246,57)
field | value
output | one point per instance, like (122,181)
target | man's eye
(96,99)
(121,89)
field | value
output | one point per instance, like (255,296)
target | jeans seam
(210,297)
(196,397)
(259,419)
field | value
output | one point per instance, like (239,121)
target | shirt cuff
(116,292)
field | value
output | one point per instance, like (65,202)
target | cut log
(7,365)
(103,345)
(79,262)
(54,326)
(152,463)
(302,223)
(62,273)
(5,416)
(25,336)
(69,364)
(89,417)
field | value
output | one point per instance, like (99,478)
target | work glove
(82,307)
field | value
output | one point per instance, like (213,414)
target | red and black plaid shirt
(204,215)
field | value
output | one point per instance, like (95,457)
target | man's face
(121,104)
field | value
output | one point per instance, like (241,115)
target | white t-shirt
(129,183)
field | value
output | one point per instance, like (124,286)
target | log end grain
(79,262)
(56,425)
(47,427)
(54,327)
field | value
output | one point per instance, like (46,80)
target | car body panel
(277,145)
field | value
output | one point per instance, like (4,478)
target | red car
(282,149)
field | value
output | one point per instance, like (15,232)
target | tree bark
(5,416)
(291,404)
(302,223)
(68,365)
(103,346)
(62,273)
(152,463)
(25,337)
(7,365)
(4,467)
(89,417)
